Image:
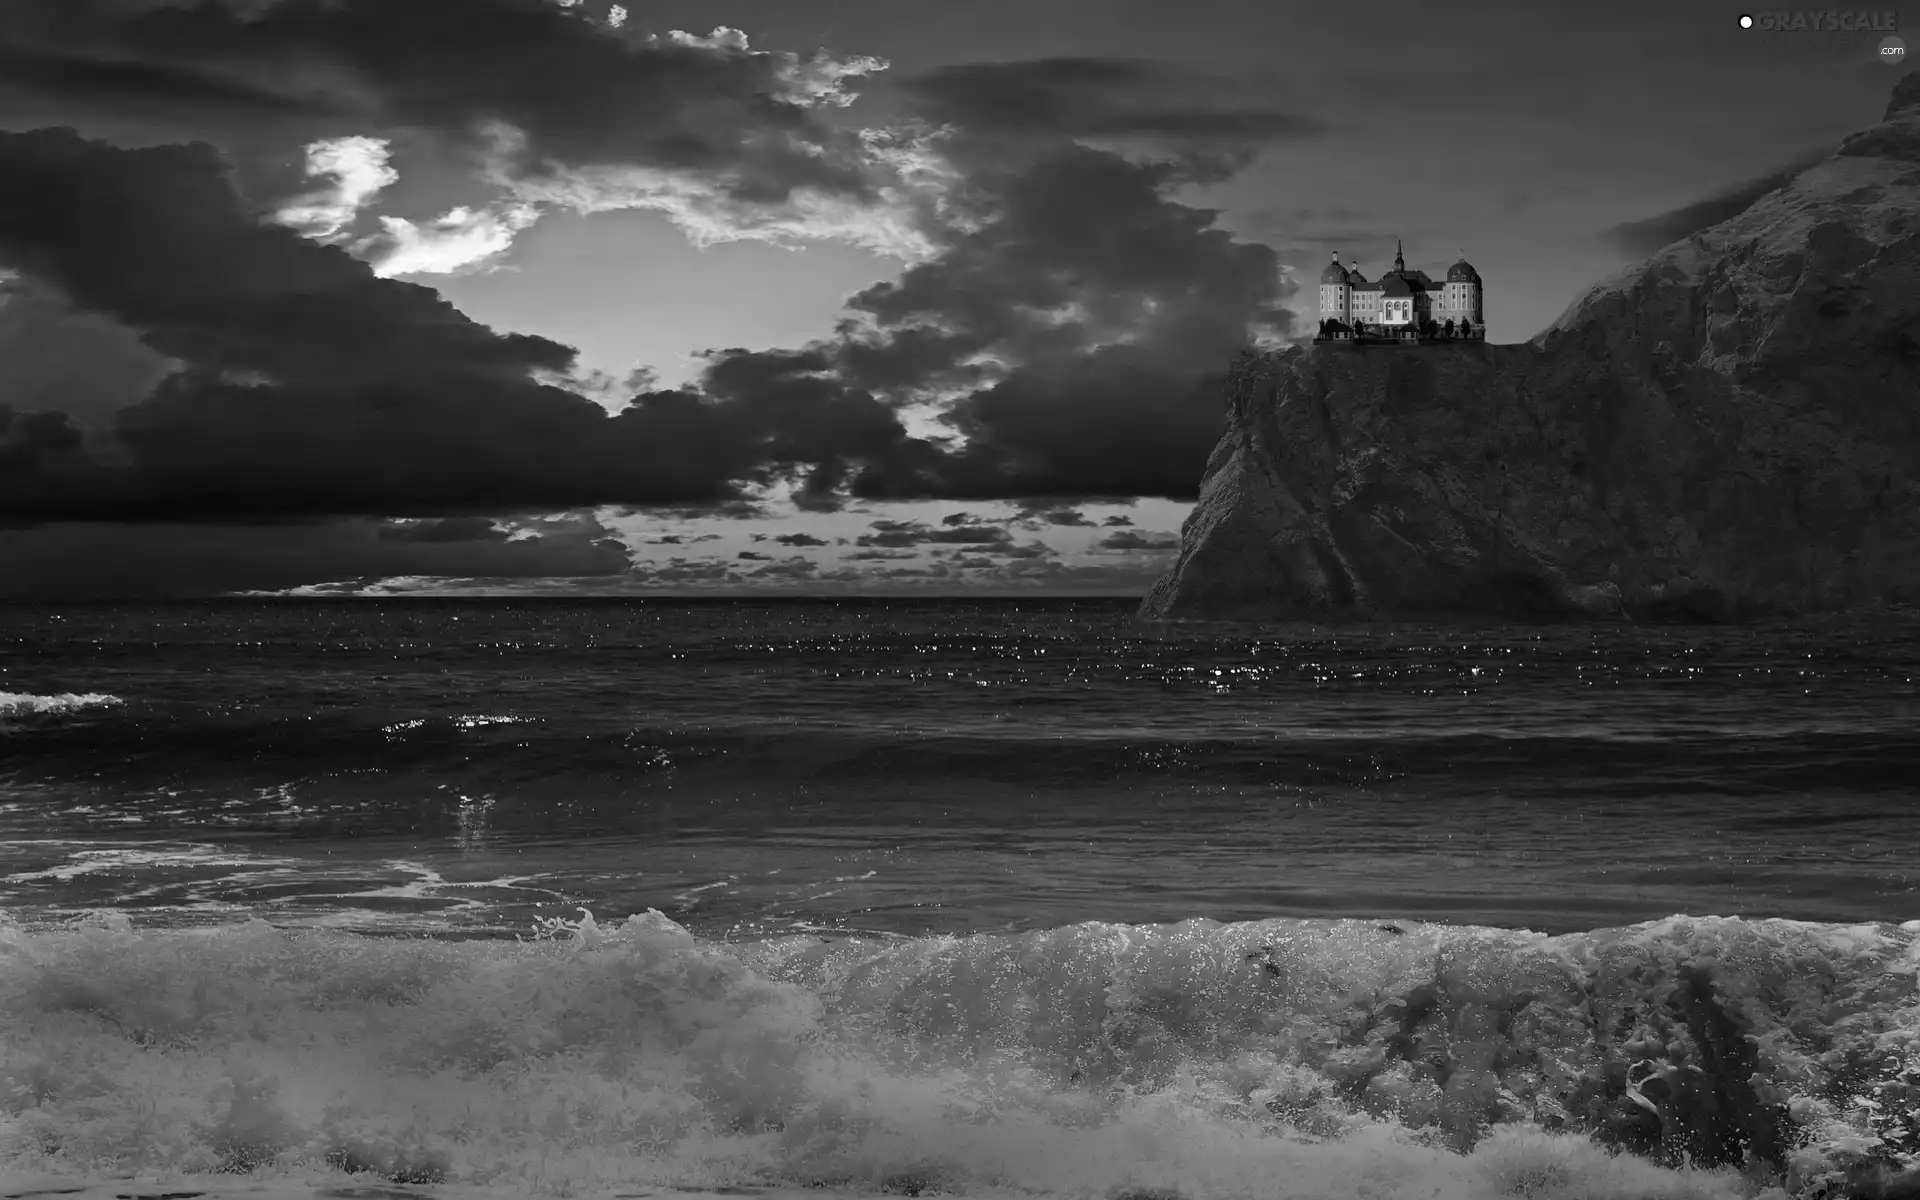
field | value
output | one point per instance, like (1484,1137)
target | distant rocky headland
(1727,430)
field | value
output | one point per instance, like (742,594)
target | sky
(378,297)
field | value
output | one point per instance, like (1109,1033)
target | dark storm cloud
(444,529)
(581,91)
(1074,316)
(32,444)
(53,356)
(1116,98)
(1107,308)
(106,559)
(112,84)
(1117,521)
(800,539)
(1637,239)
(730,510)
(753,556)
(312,386)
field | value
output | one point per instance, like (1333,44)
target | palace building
(1401,305)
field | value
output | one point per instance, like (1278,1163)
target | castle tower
(1399,262)
(1335,292)
(1465,298)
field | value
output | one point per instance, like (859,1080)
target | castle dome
(1335,273)
(1462,272)
(1395,285)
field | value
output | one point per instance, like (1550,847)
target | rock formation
(1729,429)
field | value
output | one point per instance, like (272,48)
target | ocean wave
(1688,1057)
(213,746)
(20,704)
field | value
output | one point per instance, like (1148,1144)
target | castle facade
(1401,305)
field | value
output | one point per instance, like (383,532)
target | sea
(956,896)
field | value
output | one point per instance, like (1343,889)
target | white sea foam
(167,878)
(1281,1058)
(22,704)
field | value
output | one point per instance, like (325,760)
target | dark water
(929,767)
(984,899)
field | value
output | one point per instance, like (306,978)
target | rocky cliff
(1729,429)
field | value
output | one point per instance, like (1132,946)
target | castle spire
(1399,263)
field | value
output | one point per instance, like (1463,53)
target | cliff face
(1728,429)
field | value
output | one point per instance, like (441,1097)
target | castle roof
(1397,282)
(1462,272)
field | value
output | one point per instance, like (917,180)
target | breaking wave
(22,704)
(1688,1057)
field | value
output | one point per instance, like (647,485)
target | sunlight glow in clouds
(354,171)
(708,213)
(706,207)
(463,238)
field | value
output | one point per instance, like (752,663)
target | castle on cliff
(1402,305)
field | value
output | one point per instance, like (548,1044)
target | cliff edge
(1729,429)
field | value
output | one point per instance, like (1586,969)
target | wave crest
(20,704)
(1345,1057)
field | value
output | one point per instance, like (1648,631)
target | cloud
(1036,515)
(800,539)
(1133,540)
(906,182)
(1102,98)
(118,560)
(462,238)
(565,105)
(1074,326)
(1637,239)
(1070,322)
(579,90)
(915,533)
(980,553)
(353,170)
(54,356)
(794,568)
(310,385)
(444,529)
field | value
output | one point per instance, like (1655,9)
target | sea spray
(1336,1057)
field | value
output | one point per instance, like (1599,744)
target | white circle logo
(1746,21)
